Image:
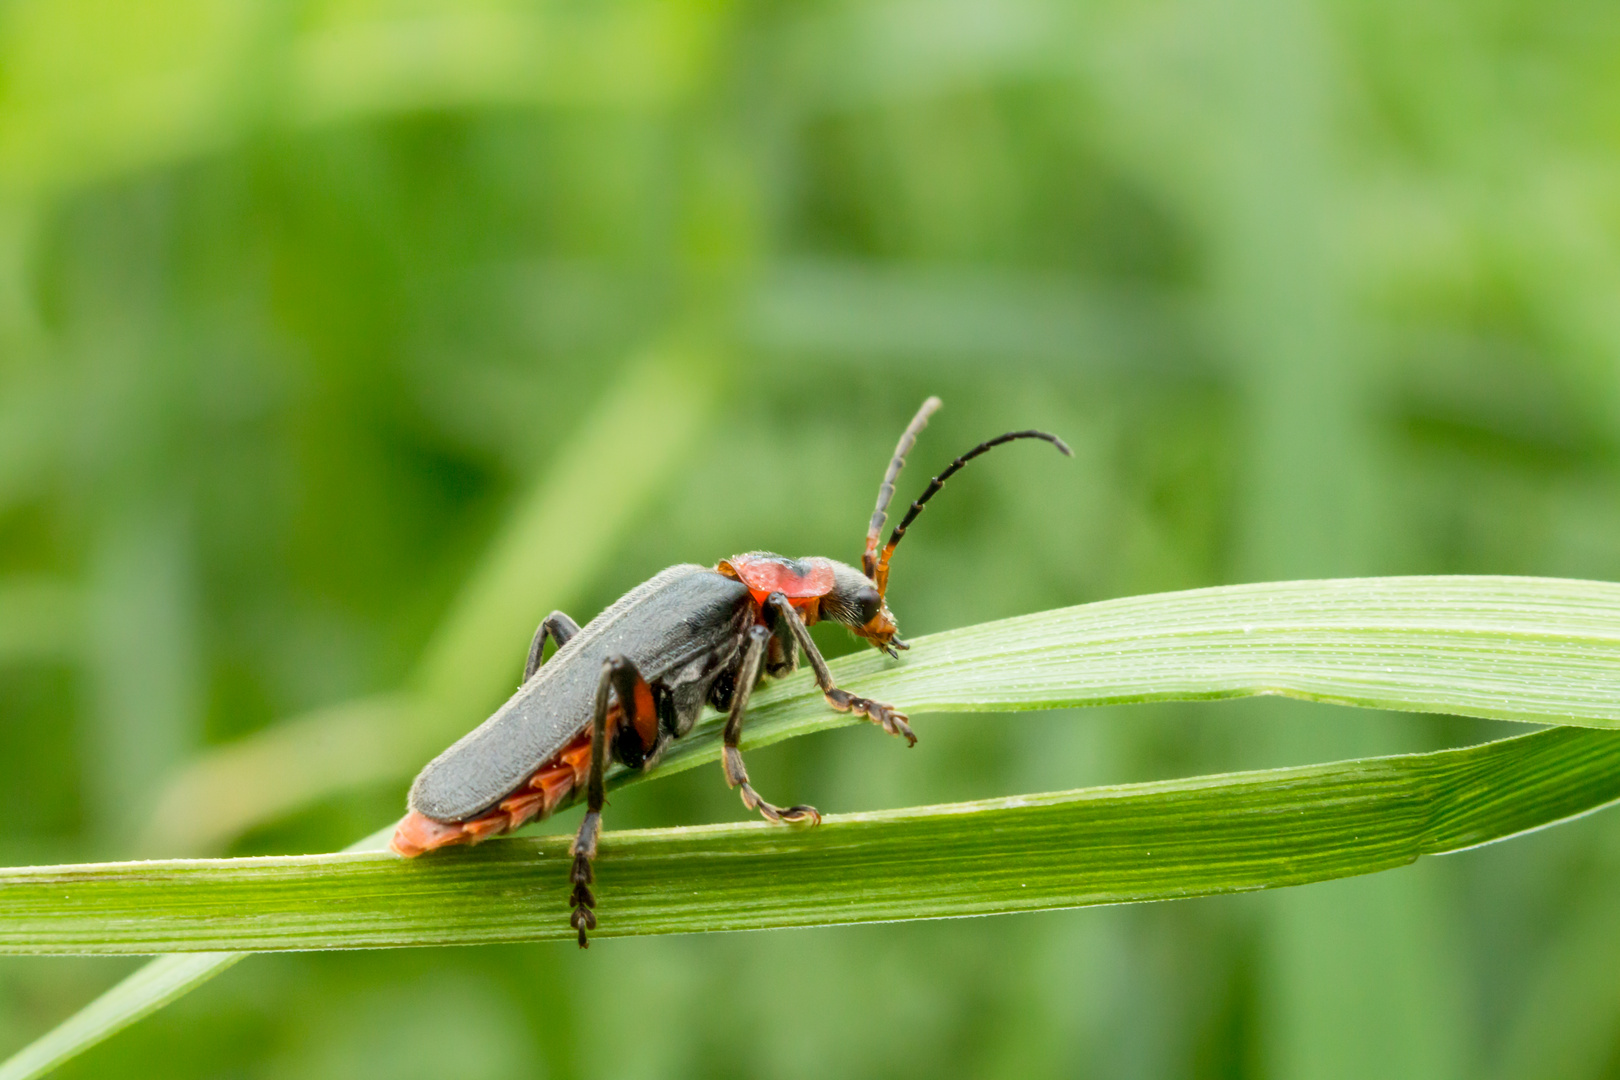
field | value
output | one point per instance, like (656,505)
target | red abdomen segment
(547,789)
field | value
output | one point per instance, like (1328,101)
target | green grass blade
(1541,650)
(1516,648)
(1155,841)
(1535,649)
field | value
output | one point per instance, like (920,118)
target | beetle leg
(736,774)
(887,717)
(560,628)
(620,676)
(782,654)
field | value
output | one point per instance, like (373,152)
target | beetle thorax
(803,581)
(818,588)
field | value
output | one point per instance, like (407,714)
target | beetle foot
(887,717)
(779,815)
(582,900)
(583,919)
(737,777)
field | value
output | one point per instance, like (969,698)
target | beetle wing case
(662,625)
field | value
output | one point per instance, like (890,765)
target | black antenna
(881,577)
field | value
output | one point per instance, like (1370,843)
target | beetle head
(857,602)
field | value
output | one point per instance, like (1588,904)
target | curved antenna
(881,577)
(886,489)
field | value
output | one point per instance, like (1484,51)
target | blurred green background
(340,341)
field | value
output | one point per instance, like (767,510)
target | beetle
(638,675)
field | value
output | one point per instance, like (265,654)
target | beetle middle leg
(887,717)
(731,754)
(559,628)
(634,696)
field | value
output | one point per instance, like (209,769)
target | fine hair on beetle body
(637,676)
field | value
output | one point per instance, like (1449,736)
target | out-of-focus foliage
(303,306)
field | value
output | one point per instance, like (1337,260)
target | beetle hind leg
(731,755)
(637,716)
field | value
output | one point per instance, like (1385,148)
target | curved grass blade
(1539,650)
(1527,649)
(1155,841)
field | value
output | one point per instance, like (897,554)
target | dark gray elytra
(680,628)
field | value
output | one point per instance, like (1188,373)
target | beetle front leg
(620,676)
(731,755)
(887,717)
(559,628)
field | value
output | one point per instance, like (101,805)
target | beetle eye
(867,603)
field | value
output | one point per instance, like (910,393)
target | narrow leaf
(1155,841)
(1543,650)
(1517,648)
